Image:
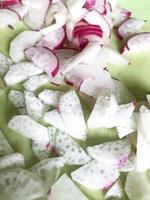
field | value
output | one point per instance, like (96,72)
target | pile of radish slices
(68,43)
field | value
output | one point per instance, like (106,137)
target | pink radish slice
(129,27)
(90,4)
(6,3)
(44,58)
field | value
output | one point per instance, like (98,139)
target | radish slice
(95,175)
(129,27)
(70,150)
(44,58)
(115,192)
(5,62)
(22,185)
(20,72)
(63,188)
(11,161)
(26,126)
(90,4)
(5,148)
(16,98)
(8,17)
(23,41)
(20,9)
(6,3)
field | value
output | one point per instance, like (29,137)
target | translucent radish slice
(16,98)
(8,17)
(44,58)
(71,112)
(23,41)
(24,125)
(5,148)
(115,191)
(18,183)
(130,165)
(95,175)
(11,161)
(70,150)
(50,97)
(20,9)
(62,189)
(35,82)
(114,153)
(5,62)
(129,27)
(49,170)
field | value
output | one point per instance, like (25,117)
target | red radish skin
(6,3)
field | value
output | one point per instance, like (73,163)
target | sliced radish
(62,189)
(5,62)
(115,192)
(70,150)
(6,3)
(26,126)
(8,17)
(52,133)
(11,161)
(20,9)
(130,165)
(16,98)
(95,175)
(23,41)
(5,147)
(20,72)
(44,58)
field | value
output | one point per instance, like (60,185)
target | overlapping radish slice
(11,161)
(21,184)
(20,9)
(16,98)
(23,41)
(70,150)
(49,170)
(115,191)
(63,188)
(5,147)
(24,125)
(95,175)
(5,62)
(8,18)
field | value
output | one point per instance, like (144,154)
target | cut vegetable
(20,9)
(5,62)
(16,98)
(114,192)
(5,148)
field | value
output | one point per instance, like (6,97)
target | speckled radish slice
(137,186)
(24,125)
(52,133)
(16,98)
(20,9)
(114,153)
(8,17)
(130,165)
(49,170)
(35,82)
(95,175)
(50,97)
(70,150)
(11,161)
(18,184)
(62,189)
(5,62)
(5,148)
(71,112)
(115,192)
(23,41)
(20,72)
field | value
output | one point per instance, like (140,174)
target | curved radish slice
(6,3)
(114,153)
(95,175)
(63,188)
(70,150)
(138,43)
(22,185)
(5,148)
(20,72)
(71,112)
(130,27)
(23,41)
(26,126)
(11,161)
(114,192)
(8,17)
(53,40)
(20,9)
(16,98)
(44,58)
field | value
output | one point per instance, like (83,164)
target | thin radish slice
(11,161)
(70,150)
(71,112)
(50,97)
(35,82)
(129,27)
(130,165)
(5,62)
(20,9)
(20,72)
(62,189)
(8,17)
(95,175)
(5,148)
(115,192)
(114,153)
(44,58)
(16,98)
(23,41)
(21,184)
(24,125)
(52,133)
